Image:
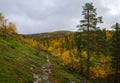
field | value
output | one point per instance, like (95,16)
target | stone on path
(46,70)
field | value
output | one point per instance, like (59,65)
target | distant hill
(48,35)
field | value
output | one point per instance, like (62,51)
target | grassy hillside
(18,62)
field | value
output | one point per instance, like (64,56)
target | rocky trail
(46,71)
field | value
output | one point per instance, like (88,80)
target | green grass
(18,61)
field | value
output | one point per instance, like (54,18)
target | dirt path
(46,71)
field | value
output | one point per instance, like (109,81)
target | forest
(103,60)
(91,52)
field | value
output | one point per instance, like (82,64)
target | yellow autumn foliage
(57,52)
(30,42)
(84,54)
(108,35)
(11,28)
(102,68)
(65,57)
(100,71)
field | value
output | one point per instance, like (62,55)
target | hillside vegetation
(90,55)
(22,60)
(72,53)
(18,62)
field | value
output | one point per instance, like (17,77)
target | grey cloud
(35,16)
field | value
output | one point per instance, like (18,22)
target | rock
(72,82)
(46,70)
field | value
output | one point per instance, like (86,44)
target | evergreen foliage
(115,49)
(88,25)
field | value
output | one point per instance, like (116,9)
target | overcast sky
(38,16)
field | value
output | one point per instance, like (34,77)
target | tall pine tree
(89,24)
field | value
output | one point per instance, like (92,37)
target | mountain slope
(18,63)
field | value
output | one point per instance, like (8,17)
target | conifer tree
(89,24)
(115,49)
